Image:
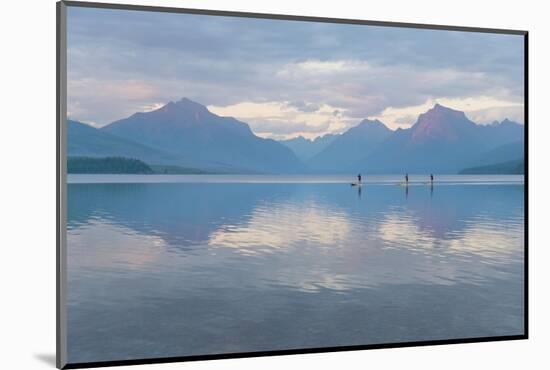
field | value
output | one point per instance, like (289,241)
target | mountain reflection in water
(175,269)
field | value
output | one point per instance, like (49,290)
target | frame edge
(61,117)
(61,176)
(288,17)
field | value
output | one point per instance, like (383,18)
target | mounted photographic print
(238,184)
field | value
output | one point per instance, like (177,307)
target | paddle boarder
(359,178)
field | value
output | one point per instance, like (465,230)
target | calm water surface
(189,265)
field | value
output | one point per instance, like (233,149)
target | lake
(181,265)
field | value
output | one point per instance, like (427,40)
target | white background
(27,165)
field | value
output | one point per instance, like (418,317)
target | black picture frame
(61,176)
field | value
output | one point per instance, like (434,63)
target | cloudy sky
(286,78)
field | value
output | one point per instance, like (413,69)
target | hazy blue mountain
(505,132)
(442,140)
(502,153)
(346,149)
(86,141)
(515,167)
(505,143)
(306,148)
(189,130)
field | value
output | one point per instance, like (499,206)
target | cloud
(120,62)
(281,128)
(284,119)
(321,68)
(103,101)
(489,115)
(304,107)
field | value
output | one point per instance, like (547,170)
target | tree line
(107,165)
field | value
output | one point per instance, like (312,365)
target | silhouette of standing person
(432,178)
(407,179)
(359,178)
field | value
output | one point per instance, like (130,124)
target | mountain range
(87,141)
(345,150)
(442,140)
(305,149)
(187,134)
